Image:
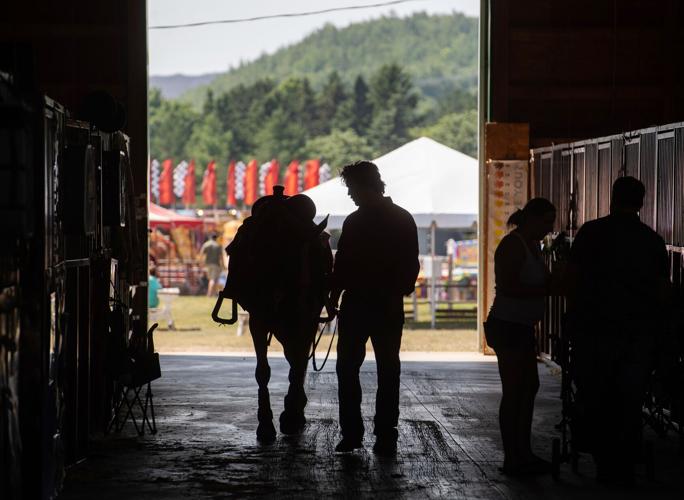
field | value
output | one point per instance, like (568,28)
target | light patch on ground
(197,333)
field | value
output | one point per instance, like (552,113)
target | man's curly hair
(363,173)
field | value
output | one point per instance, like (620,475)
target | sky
(210,49)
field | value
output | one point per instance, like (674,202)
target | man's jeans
(382,321)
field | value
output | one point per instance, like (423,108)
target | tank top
(523,310)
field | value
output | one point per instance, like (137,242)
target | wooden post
(503,142)
(450,277)
(433,278)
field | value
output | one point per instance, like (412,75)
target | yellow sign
(506,192)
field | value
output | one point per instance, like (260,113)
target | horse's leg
(266,432)
(296,347)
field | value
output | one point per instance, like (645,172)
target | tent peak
(430,180)
(426,145)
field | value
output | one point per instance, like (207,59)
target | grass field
(196,332)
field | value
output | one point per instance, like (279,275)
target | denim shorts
(505,335)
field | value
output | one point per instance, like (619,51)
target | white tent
(432,181)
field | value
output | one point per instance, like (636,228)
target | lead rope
(315,343)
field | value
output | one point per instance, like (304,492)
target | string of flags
(245,183)
(179,178)
(155,168)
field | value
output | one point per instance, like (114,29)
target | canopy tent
(432,181)
(163,217)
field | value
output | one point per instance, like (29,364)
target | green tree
(431,109)
(338,148)
(281,138)
(291,112)
(439,51)
(170,124)
(296,99)
(208,142)
(356,112)
(328,103)
(394,101)
(242,111)
(154,99)
(456,130)
(459,101)
(208,106)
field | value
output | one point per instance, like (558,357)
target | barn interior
(582,92)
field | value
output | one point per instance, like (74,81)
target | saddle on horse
(279,270)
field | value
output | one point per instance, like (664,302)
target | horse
(280,262)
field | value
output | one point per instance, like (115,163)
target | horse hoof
(266,433)
(292,424)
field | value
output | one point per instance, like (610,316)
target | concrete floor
(449,441)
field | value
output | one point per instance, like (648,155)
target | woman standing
(522,282)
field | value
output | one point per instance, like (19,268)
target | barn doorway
(397,83)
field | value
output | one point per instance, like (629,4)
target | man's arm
(409,264)
(340,266)
(224,258)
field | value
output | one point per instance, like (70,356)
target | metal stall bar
(647,171)
(617,158)
(564,185)
(665,185)
(678,202)
(579,184)
(605,180)
(632,151)
(655,155)
(591,181)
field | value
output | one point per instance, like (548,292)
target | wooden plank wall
(586,68)
(73,48)
(654,155)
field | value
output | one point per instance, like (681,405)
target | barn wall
(585,68)
(69,49)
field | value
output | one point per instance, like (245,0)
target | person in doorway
(617,282)
(522,282)
(158,310)
(153,287)
(375,266)
(212,256)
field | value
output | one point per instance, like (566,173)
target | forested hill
(439,52)
(339,95)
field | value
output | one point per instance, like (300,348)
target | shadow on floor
(449,442)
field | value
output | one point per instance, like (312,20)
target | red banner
(311,176)
(506,190)
(251,182)
(272,177)
(209,185)
(292,178)
(166,184)
(189,190)
(230,185)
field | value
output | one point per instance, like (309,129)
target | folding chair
(139,368)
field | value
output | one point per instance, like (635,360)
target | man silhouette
(376,265)
(212,255)
(617,285)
